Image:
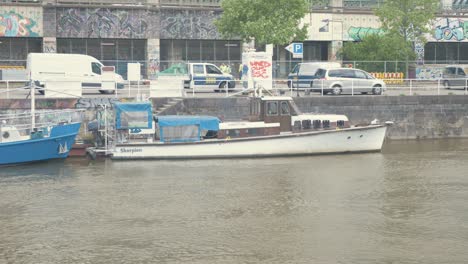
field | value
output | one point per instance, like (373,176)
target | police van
(206,76)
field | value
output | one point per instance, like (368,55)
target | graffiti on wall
(13,24)
(429,73)
(451,29)
(358,33)
(49,45)
(177,24)
(326,26)
(106,23)
(419,50)
(260,69)
(153,58)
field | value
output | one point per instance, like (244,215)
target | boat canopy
(135,115)
(185,128)
(204,122)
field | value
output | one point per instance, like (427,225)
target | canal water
(408,204)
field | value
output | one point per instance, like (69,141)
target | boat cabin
(268,116)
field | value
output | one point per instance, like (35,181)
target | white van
(303,74)
(46,66)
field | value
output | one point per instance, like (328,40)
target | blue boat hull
(56,146)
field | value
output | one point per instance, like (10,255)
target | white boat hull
(349,140)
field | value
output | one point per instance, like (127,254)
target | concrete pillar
(153,49)
(446,4)
(333,51)
(336,4)
(152,2)
(49,45)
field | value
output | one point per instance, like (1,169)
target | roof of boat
(205,122)
(276,98)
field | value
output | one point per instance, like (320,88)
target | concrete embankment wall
(414,116)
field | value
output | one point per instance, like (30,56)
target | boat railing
(44,119)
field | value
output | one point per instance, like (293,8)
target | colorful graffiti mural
(429,73)
(13,24)
(451,29)
(358,33)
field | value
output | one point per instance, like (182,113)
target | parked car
(346,80)
(206,75)
(303,74)
(455,76)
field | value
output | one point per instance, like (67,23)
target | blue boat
(49,135)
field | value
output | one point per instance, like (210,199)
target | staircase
(171,102)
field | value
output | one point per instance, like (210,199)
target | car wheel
(223,85)
(446,85)
(377,90)
(336,90)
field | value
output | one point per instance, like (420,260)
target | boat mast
(32,90)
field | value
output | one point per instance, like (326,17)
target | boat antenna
(32,90)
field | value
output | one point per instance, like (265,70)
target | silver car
(455,76)
(346,80)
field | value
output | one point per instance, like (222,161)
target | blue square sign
(298,48)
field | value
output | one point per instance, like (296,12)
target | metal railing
(362,4)
(143,89)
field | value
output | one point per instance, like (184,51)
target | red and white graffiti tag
(259,69)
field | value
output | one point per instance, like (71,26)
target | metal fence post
(291,88)
(322,87)
(8,89)
(352,87)
(438,86)
(410,87)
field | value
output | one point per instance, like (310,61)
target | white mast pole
(32,89)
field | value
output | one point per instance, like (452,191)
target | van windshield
(295,69)
(96,68)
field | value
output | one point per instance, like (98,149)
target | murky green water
(408,204)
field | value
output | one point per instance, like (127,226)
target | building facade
(157,33)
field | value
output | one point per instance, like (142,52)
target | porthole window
(6,135)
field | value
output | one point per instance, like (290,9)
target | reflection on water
(405,205)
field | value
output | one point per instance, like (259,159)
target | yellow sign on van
(210,80)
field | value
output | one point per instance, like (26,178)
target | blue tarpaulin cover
(133,115)
(204,122)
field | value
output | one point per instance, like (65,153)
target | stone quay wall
(415,117)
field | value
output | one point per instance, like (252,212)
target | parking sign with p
(297,50)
